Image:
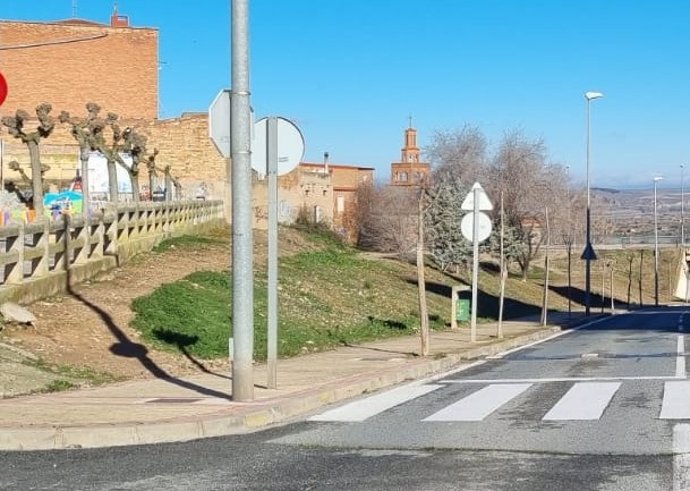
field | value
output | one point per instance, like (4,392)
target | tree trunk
(36,178)
(134,180)
(112,180)
(545,299)
(86,196)
(152,183)
(504,275)
(168,187)
(640,282)
(421,282)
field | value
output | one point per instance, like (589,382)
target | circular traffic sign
(3,89)
(483,226)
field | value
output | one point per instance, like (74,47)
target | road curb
(250,417)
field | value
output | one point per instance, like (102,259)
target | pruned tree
(110,144)
(84,131)
(32,139)
(152,170)
(134,143)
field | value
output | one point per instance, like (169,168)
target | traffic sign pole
(475,264)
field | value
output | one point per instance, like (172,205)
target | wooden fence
(41,259)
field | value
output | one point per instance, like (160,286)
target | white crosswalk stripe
(582,401)
(480,404)
(572,406)
(676,402)
(371,406)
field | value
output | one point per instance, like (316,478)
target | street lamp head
(658,178)
(590,96)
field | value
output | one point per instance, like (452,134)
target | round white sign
(290,146)
(483,226)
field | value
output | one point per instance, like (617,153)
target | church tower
(410,171)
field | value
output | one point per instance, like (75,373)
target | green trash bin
(463,310)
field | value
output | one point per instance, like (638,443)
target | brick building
(72,62)
(410,171)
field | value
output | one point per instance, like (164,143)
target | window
(403,177)
(340,204)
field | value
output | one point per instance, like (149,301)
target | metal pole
(504,274)
(588,265)
(682,207)
(613,305)
(242,239)
(656,250)
(272,173)
(475,264)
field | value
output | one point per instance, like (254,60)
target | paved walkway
(164,410)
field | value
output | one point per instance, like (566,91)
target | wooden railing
(40,259)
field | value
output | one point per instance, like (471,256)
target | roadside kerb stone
(250,417)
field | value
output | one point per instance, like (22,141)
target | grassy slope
(330,295)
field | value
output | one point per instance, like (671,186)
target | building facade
(72,62)
(410,171)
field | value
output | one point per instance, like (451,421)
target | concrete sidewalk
(166,410)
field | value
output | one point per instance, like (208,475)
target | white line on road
(676,402)
(556,379)
(480,404)
(680,359)
(363,409)
(584,401)
(681,457)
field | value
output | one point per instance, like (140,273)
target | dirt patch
(91,326)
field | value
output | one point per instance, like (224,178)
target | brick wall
(68,65)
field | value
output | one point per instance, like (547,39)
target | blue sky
(350,72)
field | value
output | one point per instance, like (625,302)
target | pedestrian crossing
(582,401)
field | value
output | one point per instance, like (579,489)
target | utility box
(463,310)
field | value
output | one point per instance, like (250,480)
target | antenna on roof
(115,7)
(74,8)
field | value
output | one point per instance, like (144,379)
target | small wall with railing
(41,259)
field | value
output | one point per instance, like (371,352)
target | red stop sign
(3,89)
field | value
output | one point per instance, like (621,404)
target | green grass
(59,385)
(327,298)
(187,242)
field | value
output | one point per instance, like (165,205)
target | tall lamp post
(682,207)
(588,255)
(656,248)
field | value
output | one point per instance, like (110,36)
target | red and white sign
(3,89)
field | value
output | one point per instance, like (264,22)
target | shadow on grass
(487,303)
(182,341)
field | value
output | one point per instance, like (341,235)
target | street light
(682,207)
(656,248)
(588,255)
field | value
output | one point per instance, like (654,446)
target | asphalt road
(606,407)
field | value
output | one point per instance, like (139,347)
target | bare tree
(151,167)
(459,155)
(15,127)
(110,146)
(388,219)
(529,184)
(134,144)
(84,130)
